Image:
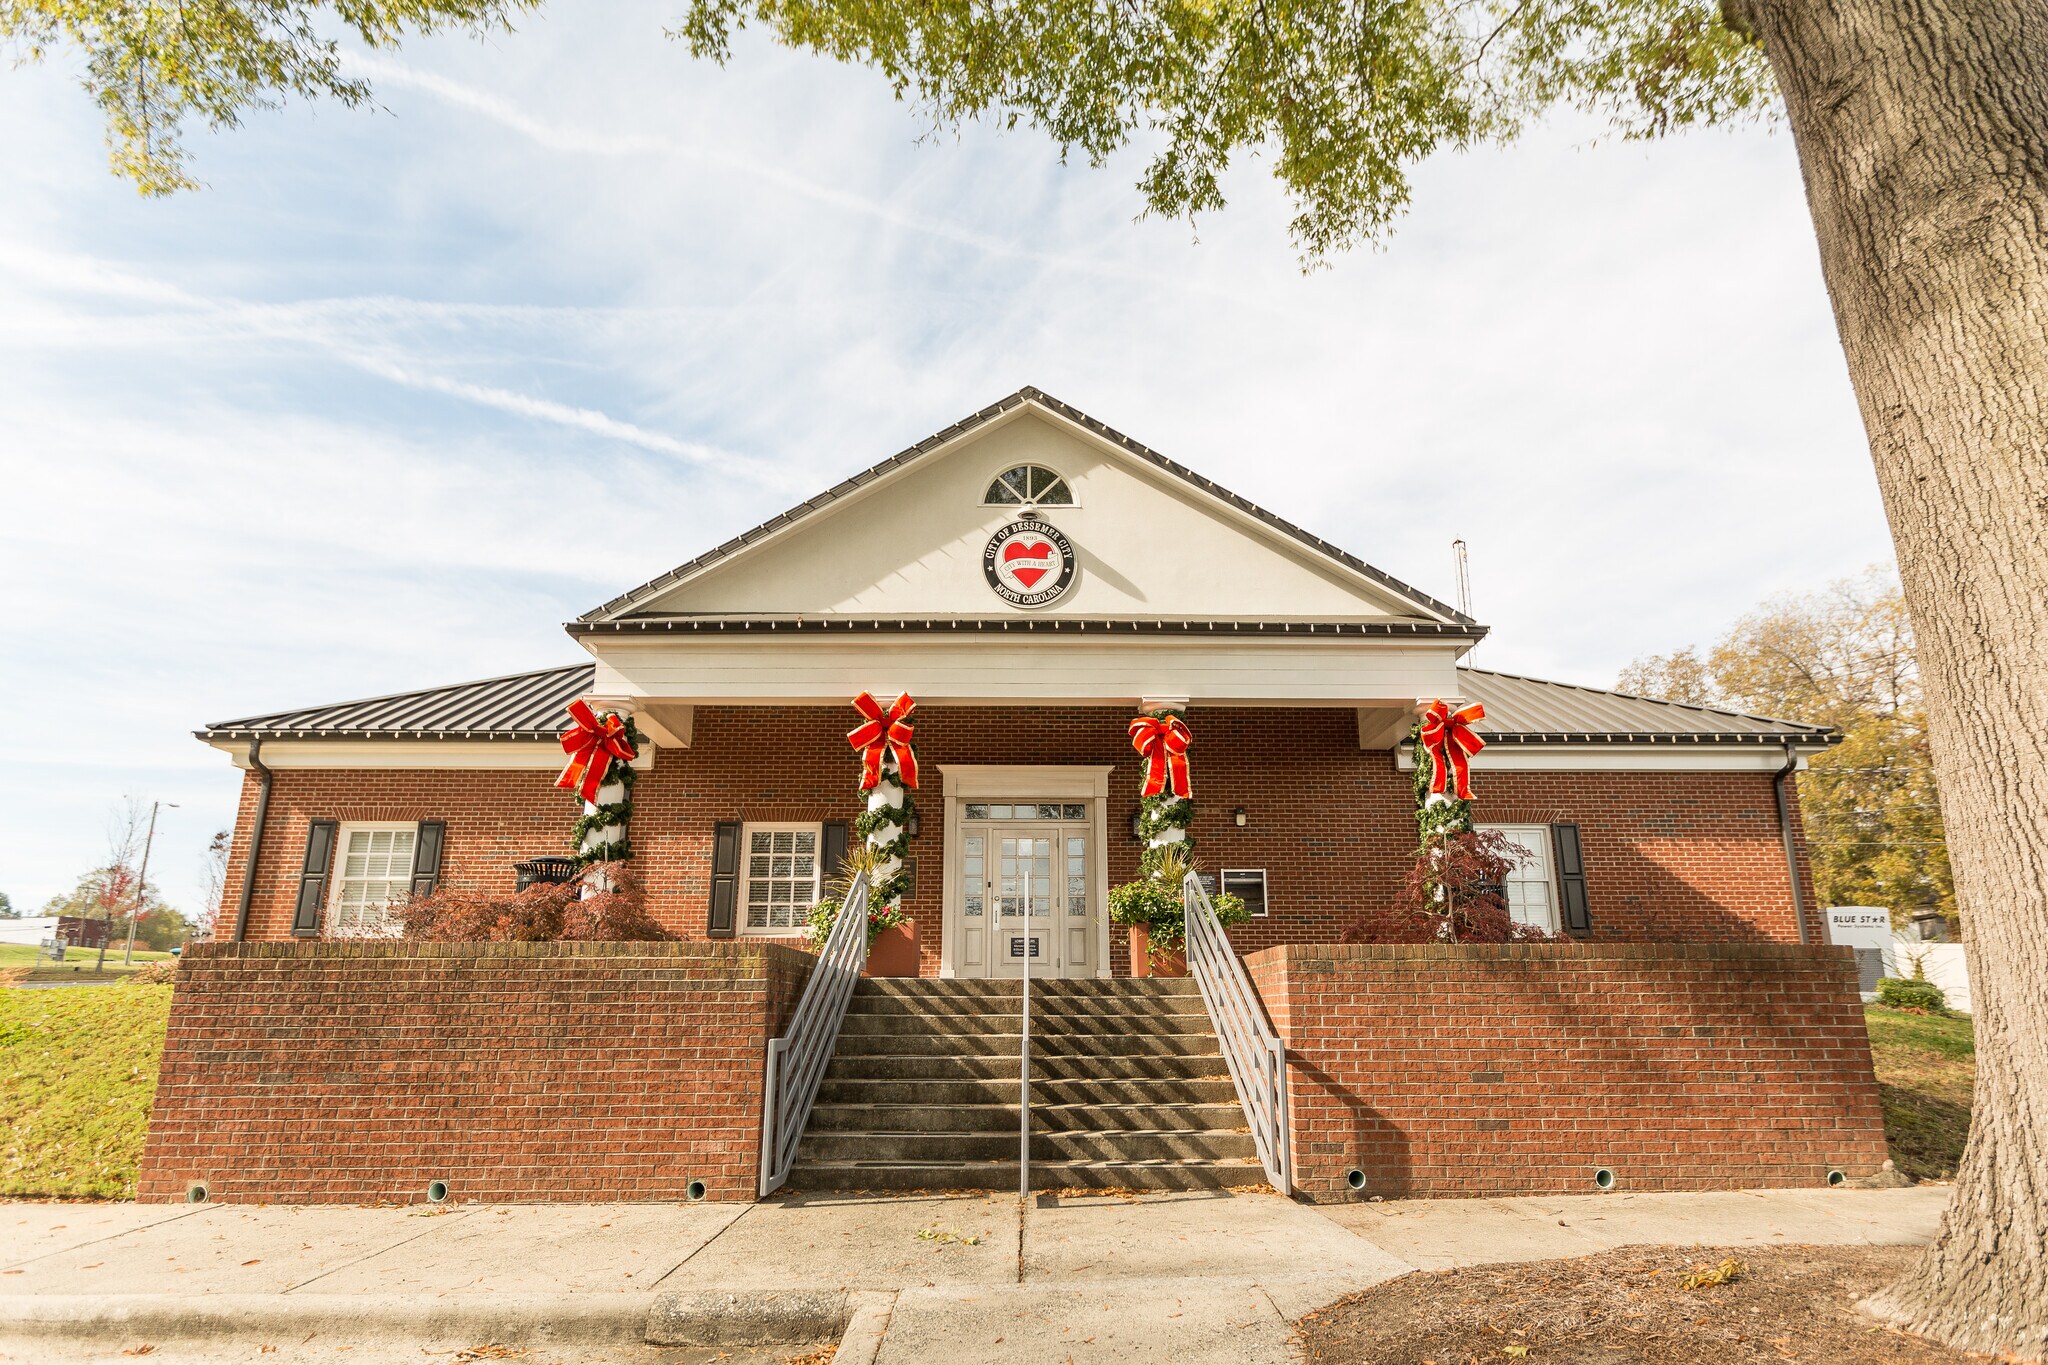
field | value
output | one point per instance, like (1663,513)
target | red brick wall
(358,1072)
(1669,856)
(1521,1069)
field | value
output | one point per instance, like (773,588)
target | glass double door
(1025,898)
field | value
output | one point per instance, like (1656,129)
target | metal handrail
(1253,1050)
(797,1060)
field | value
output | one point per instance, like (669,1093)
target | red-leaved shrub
(548,912)
(1454,893)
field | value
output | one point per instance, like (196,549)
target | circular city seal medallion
(1028,563)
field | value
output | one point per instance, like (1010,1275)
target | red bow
(1447,736)
(1164,741)
(592,744)
(884,730)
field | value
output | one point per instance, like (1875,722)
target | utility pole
(141,883)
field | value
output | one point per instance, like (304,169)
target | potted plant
(892,933)
(1151,908)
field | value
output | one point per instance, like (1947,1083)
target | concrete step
(1111,1030)
(1049,1175)
(932,988)
(906,1016)
(849,1067)
(828,1145)
(1011,1044)
(999,1117)
(1151,1091)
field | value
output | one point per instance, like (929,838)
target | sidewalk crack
(379,1251)
(705,1243)
(95,1241)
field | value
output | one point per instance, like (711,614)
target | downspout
(264,776)
(1785,832)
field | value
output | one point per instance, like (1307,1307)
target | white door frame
(966,782)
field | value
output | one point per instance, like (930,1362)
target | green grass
(77,1076)
(77,965)
(1926,1067)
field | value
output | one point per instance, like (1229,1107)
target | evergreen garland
(1436,815)
(885,826)
(587,834)
(1161,813)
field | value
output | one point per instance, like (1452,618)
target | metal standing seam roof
(1523,710)
(534,706)
(1025,395)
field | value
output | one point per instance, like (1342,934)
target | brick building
(1032,578)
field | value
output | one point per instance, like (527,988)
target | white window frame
(337,877)
(1540,837)
(744,896)
(1074,499)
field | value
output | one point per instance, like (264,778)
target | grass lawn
(77,1075)
(1926,1067)
(77,965)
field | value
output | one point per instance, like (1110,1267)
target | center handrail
(797,1060)
(1253,1050)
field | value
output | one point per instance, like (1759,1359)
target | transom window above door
(1028,483)
(1027,810)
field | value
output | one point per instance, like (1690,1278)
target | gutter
(265,776)
(1785,832)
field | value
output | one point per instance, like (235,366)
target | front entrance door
(1024,880)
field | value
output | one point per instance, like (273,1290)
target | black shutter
(832,849)
(725,879)
(1571,881)
(313,878)
(426,856)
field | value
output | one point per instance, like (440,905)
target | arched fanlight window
(1029,483)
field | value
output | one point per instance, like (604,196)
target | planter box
(894,951)
(1146,962)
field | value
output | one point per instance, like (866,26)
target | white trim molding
(1623,758)
(409,753)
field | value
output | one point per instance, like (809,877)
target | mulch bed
(1786,1303)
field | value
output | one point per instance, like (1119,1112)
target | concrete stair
(1129,1090)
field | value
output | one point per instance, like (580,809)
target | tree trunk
(1922,128)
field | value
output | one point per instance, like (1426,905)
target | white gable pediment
(1149,543)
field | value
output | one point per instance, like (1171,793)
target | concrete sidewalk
(1196,1277)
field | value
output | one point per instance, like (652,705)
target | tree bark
(1922,128)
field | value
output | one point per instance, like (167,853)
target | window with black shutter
(1576,915)
(313,874)
(426,856)
(725,879)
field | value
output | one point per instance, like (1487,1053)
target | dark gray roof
(988,414)
(534,706)
(516,706)
(1531,711)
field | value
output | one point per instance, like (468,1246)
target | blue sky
(401,391)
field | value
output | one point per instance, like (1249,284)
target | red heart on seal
(1035,550)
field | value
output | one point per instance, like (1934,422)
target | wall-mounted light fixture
(915,824)
(1240,817)
(1137,824)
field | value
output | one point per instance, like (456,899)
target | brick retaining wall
(358,1072)
(1465,1070)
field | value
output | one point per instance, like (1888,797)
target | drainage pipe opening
(1355,1178)
(1603,1179)
(195,1192)
(695,1191)
(1838,1178)
(437,1191)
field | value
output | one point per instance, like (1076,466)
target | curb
(673,1319)
(713,1317)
